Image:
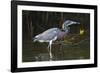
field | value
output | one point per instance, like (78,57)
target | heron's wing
(50,34)
(51,30)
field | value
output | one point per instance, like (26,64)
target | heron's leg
(50,43)
(48,47)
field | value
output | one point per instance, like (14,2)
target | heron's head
(68,23)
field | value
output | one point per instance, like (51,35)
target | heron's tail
(34,39)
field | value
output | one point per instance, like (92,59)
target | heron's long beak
(75,22)
(78,23)
(72,23)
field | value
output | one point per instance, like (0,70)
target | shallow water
(35,51)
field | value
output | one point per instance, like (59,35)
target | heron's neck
(66,29)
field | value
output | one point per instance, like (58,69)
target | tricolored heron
(53,34)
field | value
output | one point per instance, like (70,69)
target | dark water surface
(61,51)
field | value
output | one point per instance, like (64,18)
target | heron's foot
(51,57)
(50,60)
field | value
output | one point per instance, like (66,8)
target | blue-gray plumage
(53,34)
